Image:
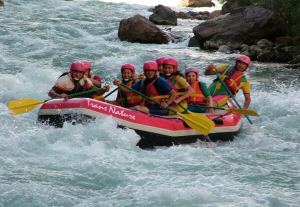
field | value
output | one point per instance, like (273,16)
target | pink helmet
(150,65)
(129,67)
(77,66)
(87,64)
(171,61)
(160,60)
(244,59)
(192,69)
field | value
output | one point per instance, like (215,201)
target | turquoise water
(98,164)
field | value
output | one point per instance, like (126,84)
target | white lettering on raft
(113,110)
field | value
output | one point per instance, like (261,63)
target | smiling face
(191,77)
(149,74)
(168,70)
(241,66)
(127,74)
(76,75)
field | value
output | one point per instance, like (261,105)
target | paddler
(178,83)
(234,78)
(125,97)
(73,82)
(201,95)
(155,87)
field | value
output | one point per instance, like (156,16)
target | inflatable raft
(153,130)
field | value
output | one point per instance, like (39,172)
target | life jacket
(151,91)
(78,86)
(131,99)
(233,82)
(232,78)
(197,97)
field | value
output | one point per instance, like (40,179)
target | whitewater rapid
(99,164)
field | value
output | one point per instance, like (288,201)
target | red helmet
(87,64)
(129,67)
(150,65)
(244,59)
(171,61)
(77,66)
(160,60)
(192,69)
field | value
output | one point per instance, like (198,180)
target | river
(98,164)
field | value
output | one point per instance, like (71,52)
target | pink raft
(153,130)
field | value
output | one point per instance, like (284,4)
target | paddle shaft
(146,97)
(111,92)
(230,94)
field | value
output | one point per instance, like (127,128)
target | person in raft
(96,80)
(155,87)
(234,78)
(201,96)
(72,82)
(159,62)
(178,83)
(125,97)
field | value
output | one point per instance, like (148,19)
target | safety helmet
(244,59)
(77,66)
(87,64)
(160,60)
(129,67)
(150,65)
(171,61)
(192,69)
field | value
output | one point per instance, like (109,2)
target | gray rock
(197,3)
(163,15)
(284,41)
(224,49)
(248,26)
(139,29)
(193,42)
(264,43)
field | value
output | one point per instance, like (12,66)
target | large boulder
(197,3)
(163,15)
(1,2)
(246,26)
(139,29)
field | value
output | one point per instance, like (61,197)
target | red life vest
(152,92)
(234,81)
(132,99)
(197,97)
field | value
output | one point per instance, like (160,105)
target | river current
(99,164)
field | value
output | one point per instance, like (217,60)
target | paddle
(233,110)
(199,122)
(230,94)
(24,105)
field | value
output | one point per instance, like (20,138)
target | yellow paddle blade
(244,111)
(21,106)
(199,122)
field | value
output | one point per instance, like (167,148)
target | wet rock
(197,3)
(139,29)
(295,60)
(193,42)
(193,15)
(266,55)
(247,26)
(264,43)
(231,7)
(284,41)
(1,2)
(163,15)
(224,49)
(215,14)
